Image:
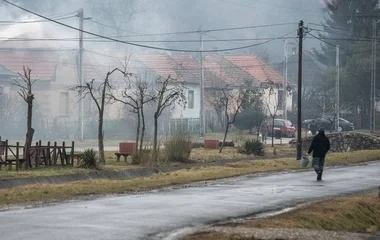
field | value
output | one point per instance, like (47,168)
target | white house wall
(181,112)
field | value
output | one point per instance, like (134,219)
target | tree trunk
(273,131)
(225,136)
(102,159)
(155,154)
(138,132)
(258,134)
(27,147)
(29,134)
(143,128)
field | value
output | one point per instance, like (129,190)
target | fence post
(55,153)
(63,153)
(17,156)
(48,153)
(72,153)
(6,152)
(37,156)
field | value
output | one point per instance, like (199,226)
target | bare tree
(232,101)
(136,96)
(212,98)
(99,93)
(25,91)
(168,94)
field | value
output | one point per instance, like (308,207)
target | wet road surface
(144,215)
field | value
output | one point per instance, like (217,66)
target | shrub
(89,159)
(254,147)
(179,145)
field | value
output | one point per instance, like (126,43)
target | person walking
(313,127)
(319,147)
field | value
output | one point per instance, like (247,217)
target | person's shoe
(319,177)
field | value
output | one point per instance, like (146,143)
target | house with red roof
(237,70)
(56,71)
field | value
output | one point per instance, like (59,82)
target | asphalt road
(140,216)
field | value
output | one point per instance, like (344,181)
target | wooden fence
(40,155)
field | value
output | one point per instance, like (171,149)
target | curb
(113,175)
(120,175)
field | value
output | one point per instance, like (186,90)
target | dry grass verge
(198,155)
(31,193)
(360,214)
(205,155)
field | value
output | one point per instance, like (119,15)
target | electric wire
(135,44)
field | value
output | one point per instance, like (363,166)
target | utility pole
(201,114)
(337,90)
(81,17)
(80,62)
(373,80)
(285,80)
(374,76)
(299,100)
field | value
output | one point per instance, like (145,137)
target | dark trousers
(318,164)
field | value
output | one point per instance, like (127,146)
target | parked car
(286,127)
(329,123)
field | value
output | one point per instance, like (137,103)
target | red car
(285,126)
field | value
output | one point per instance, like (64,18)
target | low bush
(179,145)
(89,159)
(254,147)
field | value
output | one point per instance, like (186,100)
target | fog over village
(189,119)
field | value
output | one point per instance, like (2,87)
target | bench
(11,162)
(124,154)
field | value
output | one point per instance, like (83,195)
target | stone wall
(345,142)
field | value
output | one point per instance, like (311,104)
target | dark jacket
(319,146)
(313,128)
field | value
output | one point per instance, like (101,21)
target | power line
(321,25)
(320,39)
(105,25)
(134,44)
(11,39)
(194,31)
(34,21)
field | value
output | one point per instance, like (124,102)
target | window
(278,123)
(64,103)
(190,99)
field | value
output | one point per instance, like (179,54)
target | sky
(163,16)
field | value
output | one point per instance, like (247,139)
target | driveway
(145,215)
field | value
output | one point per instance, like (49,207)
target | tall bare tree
(25,91)
(169,92)
(99,93)
(136,96)
(232,101)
